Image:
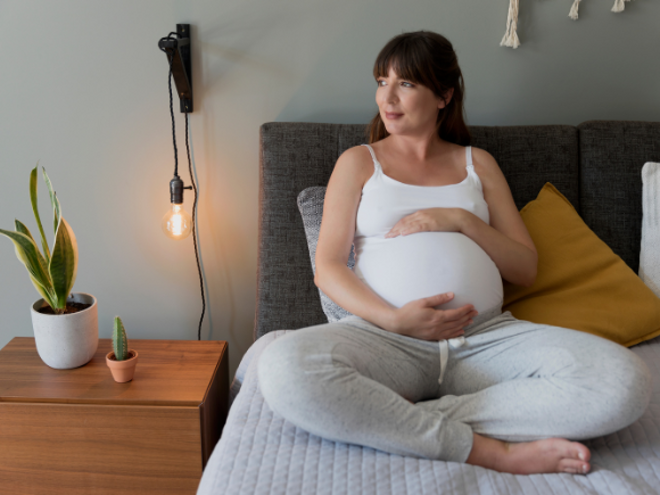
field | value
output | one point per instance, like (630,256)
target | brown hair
(425,58)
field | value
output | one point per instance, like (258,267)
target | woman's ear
(446,98)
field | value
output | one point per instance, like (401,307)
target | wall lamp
(177,223)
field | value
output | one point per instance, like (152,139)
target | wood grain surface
(79,432)
(169,372)
(65,448)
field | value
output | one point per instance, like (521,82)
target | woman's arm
(419,318)
(340,206)
(506,240)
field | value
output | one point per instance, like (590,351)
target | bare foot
(552,455)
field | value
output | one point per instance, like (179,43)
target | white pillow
(310,204)
(649,256)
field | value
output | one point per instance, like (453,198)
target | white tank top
(405,268)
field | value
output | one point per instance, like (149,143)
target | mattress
(261,453)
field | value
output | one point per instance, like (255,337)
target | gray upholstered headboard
(295,156)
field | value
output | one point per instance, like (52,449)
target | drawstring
(443,347)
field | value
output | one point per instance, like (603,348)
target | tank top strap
(471,172)
(377,167)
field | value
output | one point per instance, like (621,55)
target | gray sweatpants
(354,382)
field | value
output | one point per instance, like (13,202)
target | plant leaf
(46,293)
(28,254)
(57,211)
(119,340)
(50,298)
(63,266)
(35,209)
(21,228)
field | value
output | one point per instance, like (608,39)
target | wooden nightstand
(79,432)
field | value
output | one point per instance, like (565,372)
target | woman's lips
(392,116)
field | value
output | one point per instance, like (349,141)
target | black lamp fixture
(177,223)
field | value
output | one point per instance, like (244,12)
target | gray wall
(84,92)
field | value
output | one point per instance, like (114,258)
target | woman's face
(407,108)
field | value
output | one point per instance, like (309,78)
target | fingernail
(581,456)
(584,469)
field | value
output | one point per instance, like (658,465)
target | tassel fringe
(573,14)
(619,5)
(511,39)
(511,36)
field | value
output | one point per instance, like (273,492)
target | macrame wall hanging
(511,36)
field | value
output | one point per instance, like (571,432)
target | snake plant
(52,273)
(119,340)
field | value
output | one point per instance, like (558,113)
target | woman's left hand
(429,220)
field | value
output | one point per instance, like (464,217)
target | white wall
(84,92)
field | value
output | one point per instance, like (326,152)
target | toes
(580,451)
(573,466)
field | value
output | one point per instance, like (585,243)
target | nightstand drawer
(77,449)
(79,432)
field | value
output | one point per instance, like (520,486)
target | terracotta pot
(67,341)
(122,371)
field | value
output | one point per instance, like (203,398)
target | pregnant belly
(420,265)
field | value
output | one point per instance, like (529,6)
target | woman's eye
(406,84)
(381,82)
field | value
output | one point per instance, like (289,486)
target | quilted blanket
(261,453)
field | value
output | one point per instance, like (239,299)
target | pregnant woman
(430,366)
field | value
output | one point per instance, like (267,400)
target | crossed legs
(513,382)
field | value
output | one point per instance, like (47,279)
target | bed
(259,452)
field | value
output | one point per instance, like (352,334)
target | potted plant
(65,324)
(121,360)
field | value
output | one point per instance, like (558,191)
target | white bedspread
(261,453)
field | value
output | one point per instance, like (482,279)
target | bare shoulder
(484,160)
(487,168)
(354,163)
(357,157)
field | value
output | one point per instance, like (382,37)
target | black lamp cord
(194,232)
(169,87)
(192,180)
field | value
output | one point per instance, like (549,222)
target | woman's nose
(390,95)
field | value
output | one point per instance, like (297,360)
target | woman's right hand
(421,320)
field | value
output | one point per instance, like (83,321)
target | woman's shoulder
(352,170)
(359,153)
(484,161)
(486,167)
(357,162)
(482,156)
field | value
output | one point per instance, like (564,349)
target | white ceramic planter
(67,341)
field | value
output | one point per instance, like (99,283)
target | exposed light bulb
(176,223)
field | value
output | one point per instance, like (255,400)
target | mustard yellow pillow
(581,283)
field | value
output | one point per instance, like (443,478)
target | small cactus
(119,340)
